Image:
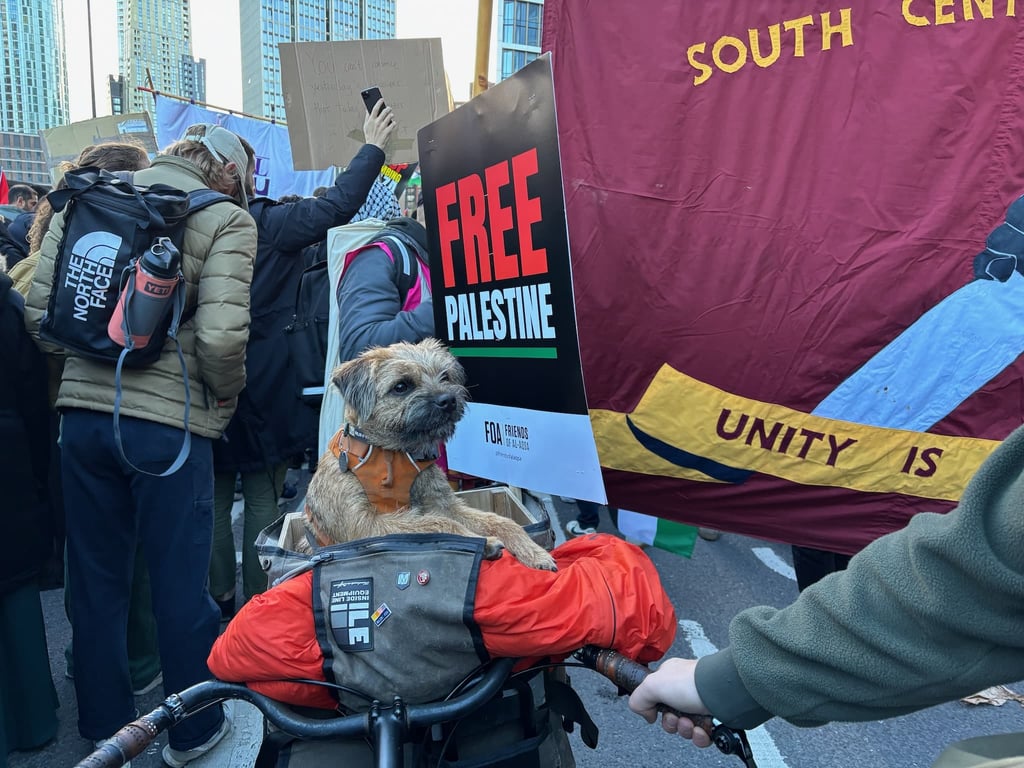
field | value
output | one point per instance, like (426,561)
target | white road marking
(761,742)
(767,556)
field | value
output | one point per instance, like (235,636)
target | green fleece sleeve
(921,616)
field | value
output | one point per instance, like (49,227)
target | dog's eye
(401,387)
(444,377)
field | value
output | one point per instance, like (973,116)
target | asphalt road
(720,579)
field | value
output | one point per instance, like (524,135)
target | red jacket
(606,592)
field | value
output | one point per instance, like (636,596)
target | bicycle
(389,727)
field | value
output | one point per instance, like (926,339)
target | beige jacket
(218,252)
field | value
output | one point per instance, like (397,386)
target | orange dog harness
(386,476)
(385,481)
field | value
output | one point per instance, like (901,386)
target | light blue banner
(275,174)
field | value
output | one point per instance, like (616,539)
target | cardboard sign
(321,82)
(66,142)
(502,288)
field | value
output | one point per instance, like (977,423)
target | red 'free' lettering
(482,222)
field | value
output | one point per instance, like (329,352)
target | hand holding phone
(380,122)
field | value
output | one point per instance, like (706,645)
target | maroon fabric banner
(761,199)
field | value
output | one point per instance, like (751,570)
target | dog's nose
(445,402)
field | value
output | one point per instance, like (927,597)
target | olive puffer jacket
(218,252)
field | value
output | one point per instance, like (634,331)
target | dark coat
(24,445)
(272,424)
(18,230)
(10,246)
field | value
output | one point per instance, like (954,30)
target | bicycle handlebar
(133,738)
(628,674)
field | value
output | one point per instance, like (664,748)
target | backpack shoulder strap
(204,198)
(408,265)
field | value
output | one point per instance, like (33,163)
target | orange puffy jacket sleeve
(606,592)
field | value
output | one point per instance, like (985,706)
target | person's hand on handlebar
(378,125)
(672,685)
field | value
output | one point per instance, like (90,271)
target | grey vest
(394,616)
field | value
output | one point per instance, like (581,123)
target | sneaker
(708,534)
(101,742)
(574,529)
(151,685)
(178,758)
(289,491)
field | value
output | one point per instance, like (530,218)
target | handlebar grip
(628,674)
(130,741)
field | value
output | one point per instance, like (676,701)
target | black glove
(1004,247)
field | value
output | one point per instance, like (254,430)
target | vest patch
(351,623)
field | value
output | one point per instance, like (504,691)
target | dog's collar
(385,481)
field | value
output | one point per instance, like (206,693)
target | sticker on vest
(350,614)
(381,614)
(403,580)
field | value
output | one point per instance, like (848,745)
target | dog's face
(405,397)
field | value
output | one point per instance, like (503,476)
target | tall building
(33,85)
(518,35)
(33,88)
(155,50)
(265,23)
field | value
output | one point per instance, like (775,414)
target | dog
(379,476)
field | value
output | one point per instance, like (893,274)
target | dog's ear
(355,381)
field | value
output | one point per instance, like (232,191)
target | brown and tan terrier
(379,475)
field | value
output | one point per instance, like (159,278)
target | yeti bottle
(146,296)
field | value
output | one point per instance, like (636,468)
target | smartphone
(370,97)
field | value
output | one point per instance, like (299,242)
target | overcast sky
(215,38)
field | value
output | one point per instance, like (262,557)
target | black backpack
(308,331)
(109,223)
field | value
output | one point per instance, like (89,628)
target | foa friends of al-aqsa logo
(499,305)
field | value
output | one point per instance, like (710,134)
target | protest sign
(502,288)
(321,83)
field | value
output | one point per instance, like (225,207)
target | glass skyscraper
(265,23)
(518,35)
(33,88)
(155,50)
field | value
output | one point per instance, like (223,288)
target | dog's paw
(492,548)
(539,559)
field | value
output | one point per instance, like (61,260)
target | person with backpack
(143,653)
(384,290)
(272,425)
(120,493)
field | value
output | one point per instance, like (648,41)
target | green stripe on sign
(547,353)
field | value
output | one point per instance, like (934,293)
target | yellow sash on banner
(685,428)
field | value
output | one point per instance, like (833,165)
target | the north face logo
(90,271)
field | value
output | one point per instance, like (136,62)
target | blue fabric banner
(275,175)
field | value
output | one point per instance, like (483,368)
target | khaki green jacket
(218,252)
